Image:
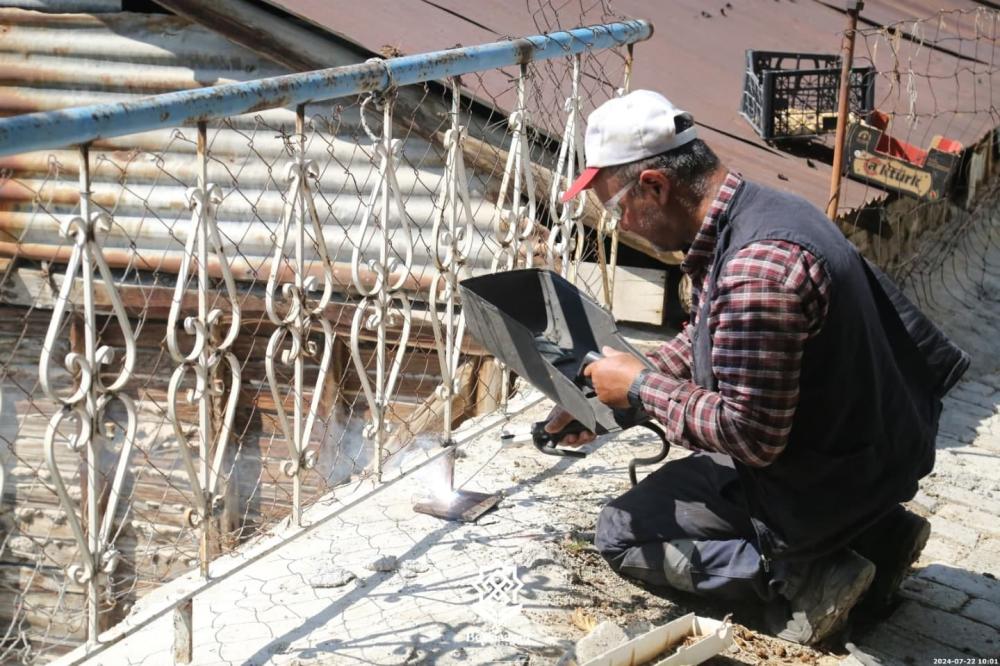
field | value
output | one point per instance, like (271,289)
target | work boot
(892,544)
(820,605)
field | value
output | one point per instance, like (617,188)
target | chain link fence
(925,160)
(209,327)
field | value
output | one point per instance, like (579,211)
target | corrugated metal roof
(696,57)
(387,27)
(52,61)
(91,6)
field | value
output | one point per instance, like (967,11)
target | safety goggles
(613,205)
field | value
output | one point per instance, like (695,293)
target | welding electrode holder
(546,441)
(582,379)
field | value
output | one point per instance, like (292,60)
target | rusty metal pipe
(842,105)
(243,269)
(55,129)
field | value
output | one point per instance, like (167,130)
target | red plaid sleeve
(674,357)
(771,299)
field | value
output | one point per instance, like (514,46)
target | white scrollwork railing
(608,224)
(565,244)
(452,243)
(207,355)
(516,211)
(384,302)
(302,315)
(198,335)
(87,403)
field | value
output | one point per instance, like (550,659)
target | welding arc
(664,450)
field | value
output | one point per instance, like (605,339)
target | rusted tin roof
(696,57)
(53,61)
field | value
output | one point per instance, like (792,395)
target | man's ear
(657,183)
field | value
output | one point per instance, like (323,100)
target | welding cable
(664,450)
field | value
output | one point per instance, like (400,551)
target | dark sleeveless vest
(870,388)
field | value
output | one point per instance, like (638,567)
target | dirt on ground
(575,587)
(637,608)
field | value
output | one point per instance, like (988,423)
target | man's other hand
(613,375)
(558,419)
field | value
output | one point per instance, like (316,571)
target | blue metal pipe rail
(80,125)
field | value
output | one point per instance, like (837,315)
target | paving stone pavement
(951,609)
(331,597)
(380,584)
(951,606)
(322,599)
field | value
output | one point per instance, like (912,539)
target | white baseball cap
(624,129)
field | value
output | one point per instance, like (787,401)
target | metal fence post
(565,243)
(514,222)
(184,632)
(854,8)
(384,301)
(609,223)
(452,241)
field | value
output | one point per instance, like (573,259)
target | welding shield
(542,327)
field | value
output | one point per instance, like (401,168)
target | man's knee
(637,517)
(627,554)
(610,538)
(649,562)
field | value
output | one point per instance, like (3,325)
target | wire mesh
(930,222)
(934,80)
(294,189)
(271,318)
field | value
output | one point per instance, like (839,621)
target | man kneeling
(806,383)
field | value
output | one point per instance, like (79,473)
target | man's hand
(558,419)
(613,375)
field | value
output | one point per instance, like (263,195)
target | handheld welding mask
(546,330)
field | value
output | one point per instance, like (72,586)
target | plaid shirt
(771,297)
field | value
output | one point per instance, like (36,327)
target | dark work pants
(686,526)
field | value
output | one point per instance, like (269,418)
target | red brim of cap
(580,184)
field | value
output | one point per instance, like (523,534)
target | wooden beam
(243,269)
(184,632)
(638,291)
(488,385)
(334,397)
(429,416)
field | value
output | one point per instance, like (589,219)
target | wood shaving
(583,620)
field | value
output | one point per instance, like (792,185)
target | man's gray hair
(691,165)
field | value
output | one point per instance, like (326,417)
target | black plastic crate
(793,95)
